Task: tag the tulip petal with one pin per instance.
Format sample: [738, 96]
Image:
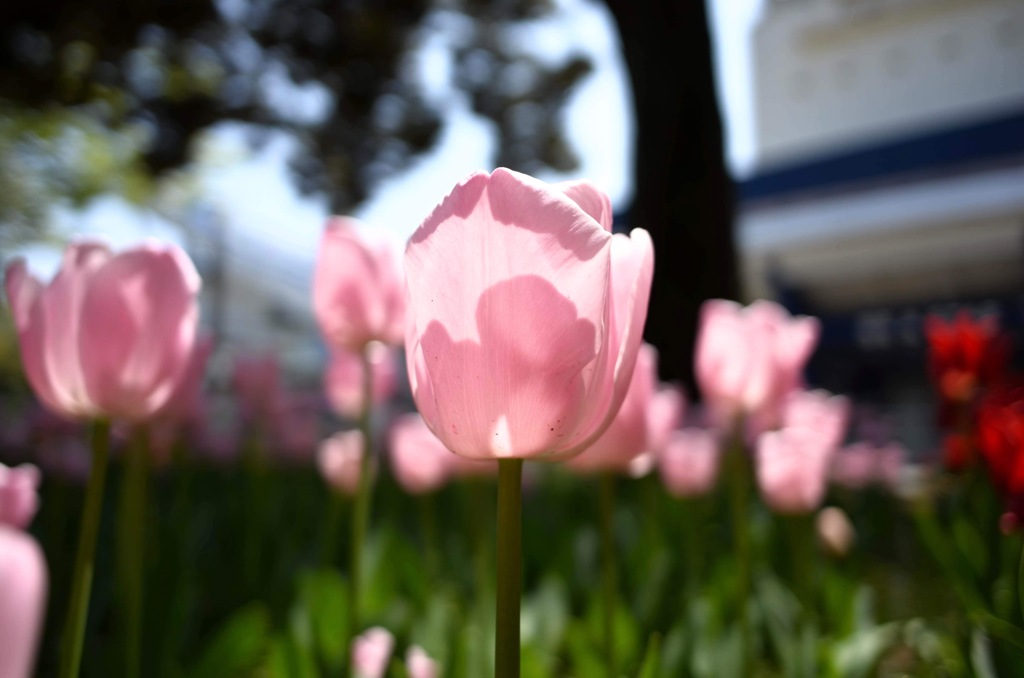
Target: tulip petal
[627, 436]
[507, 286]
[592, 200]
[519, 390]
[357, 289]
[23, 585]
[139, 321]
[24, 293]
[631, 276]
[419, 460]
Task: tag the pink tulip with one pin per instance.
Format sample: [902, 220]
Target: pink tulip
[689, 462]
[421, 463]
[525, 316]
[749, 359]
[419, 664]
[792, 466]
[854, 466]
[860, 464]
[256, 380]
[184, 413]
[185, 404]
[23, 574]
[627, 438]
[358, 294]
[826, 414]
[344, 383]
[339, 460]
[111, 335]
[664, 415]
[371, 652]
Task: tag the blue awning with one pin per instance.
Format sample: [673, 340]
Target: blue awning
[947, 150]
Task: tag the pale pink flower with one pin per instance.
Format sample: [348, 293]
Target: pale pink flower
[689, 461]
[344, 381]
[340, 461]
[419, 664]
[256, 380]
[826, 414]
[862, 463]
[792, 466]
[420, 461]
[371, 652]
[835, 531]
[627, 438]
[358, 293]
[525, 316]
[854, 466]
[749, 359]
[23, 573]
[110, 335]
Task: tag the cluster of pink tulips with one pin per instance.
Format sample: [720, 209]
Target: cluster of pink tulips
[521, 316]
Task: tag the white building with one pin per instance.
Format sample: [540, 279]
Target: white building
[890, 144]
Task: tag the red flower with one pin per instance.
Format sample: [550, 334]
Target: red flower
[959, 452]
[966, 355]
[1001, 441]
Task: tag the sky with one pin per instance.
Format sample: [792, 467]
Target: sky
[270, 225]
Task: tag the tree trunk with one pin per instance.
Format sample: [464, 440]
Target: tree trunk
[683, 193]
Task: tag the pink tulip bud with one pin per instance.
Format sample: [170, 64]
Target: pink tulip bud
[421, 463]
[824, 413]
[628, 436]
[339, 460]
[419, 664]
[854, 466]
[371, 652]
[358, 294]
[257, 383]
[111, 335]
[689, 462]
[664, 415]
[23, 573]
[525, 316]
[18, 499]
[185, 404]
[860, 464]
[749, 359]
[835, 531]
[344, 383]
[792, 466]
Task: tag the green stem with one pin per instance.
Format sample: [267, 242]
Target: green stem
[803, 562]
[608, 567]
[332, 527]
[256, 518]
[690, 521]
[131, 538]
[739, 503]
[176, 616]
[428, 526]
[81, 581]
[510, 568]
[932, 535]
[361, 511]
[1020, 582]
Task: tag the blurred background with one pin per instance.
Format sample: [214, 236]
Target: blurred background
[861, 161]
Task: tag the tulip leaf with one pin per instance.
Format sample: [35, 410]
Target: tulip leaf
[238, 646]
[649, 667]
[324, 602]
